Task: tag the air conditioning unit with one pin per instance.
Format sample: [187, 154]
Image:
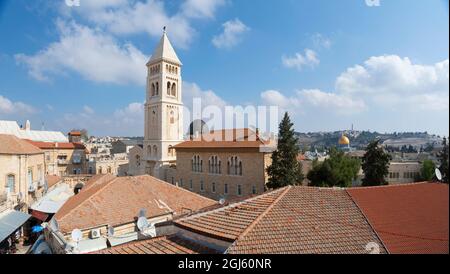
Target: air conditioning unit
[95, 233]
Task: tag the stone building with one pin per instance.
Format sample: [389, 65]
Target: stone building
[230, 166]
[63, 158]
[22, 173]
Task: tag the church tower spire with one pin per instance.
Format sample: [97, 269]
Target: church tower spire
[163, 108]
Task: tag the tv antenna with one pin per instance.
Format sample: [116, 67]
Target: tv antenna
[142, 224]
[110, 231]
[76, 235]
[438, 174]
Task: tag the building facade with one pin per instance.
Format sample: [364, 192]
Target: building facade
[63, 158]
[22, 173]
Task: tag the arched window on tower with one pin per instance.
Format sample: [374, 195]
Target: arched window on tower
[174, 90]
[168, 88]
[172, 117]
[155, 151]
[157, 88]
[149, 150]
[153, 89]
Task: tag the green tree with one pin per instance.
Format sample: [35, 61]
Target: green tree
[375, 164]
[443, 160]
[427, 170]
[338, 170]
[285, 169]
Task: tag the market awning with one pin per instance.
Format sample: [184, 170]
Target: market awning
[10, 221]
[53, 200]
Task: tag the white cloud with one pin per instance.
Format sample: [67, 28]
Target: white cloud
[88, 110]
[92, 53]
[321, 41]
[340, 104]
[201, 8]
[126, 121]
[9, 107]
[276, 98]
[208, 97]
[231, 35]
[299, 61]
[128, 17]
[396, 82]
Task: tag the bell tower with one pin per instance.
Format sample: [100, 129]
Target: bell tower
[163, 108]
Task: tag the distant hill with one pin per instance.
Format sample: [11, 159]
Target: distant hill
[360, 139]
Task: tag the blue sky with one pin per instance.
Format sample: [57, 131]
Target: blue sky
[329, 63]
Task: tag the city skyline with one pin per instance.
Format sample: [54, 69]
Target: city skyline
[80, 67]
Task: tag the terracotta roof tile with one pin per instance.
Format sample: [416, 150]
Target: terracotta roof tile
[115, 201]
[161, 245]
[308, 220]
[10, 144]
[227, 138]
[411, 218]
[227, 223]
[53, 145]
[52, 180]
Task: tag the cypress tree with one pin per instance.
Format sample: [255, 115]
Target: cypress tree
[375, 164]
[285, 169]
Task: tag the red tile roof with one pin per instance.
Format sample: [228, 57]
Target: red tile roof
[53, 145]
[227, 223]
[52, 180]
[161, 245]
[308, 220]
[116, 201]
[411, 218]
[227, 138]
[288, 220]
[10, 144]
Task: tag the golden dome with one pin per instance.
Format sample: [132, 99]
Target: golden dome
[344, 140]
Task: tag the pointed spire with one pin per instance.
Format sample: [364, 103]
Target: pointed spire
[164, 51]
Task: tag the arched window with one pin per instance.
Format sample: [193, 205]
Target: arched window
[109, 170]
[138, 160]
[167, 68]
[214, 166]
[168, 88]
[234, 166]
[11, 183]
[172, 117]
[174, 90]
[149, 150]
[155, 151]
[171, 151]
[157, 88]
[100, 170]
[197, 164]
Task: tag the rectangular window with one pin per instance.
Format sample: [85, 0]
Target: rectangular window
[213, 187]
[173, 182]
[225, 189]
[239, 190]
[191, 185]
[30, 176]
[254, 190]
[202, 186]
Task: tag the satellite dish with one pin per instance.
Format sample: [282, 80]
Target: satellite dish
[438, 174]
[77, 235]
[222, 201]
[110, 230]
[142, 212]
[142, 223]
[54, 224]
